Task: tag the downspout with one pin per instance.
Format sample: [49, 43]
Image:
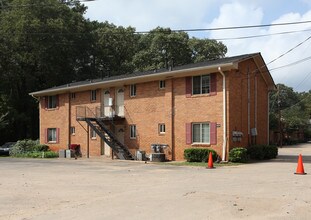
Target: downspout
[268, 127]
[224, 143]
[173, 119]
[69, 119]
[255, 106]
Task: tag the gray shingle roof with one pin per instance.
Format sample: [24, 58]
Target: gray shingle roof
[207, 63]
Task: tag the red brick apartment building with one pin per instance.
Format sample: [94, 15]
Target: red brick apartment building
[218, 104]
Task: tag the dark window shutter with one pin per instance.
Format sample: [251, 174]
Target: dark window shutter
[188, 133]
[46, 136]
[213, 133]
[57, 135]
[213, 84]
[188, 86]
[45, 102]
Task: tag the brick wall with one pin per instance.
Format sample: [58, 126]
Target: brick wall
[170, 106]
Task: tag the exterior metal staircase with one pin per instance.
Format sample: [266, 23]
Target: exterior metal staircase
[97, 123]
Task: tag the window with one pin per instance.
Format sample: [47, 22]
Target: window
[72, 130]
[161, 128]
[93, 134]
[93, 95]
[201, 84]
[73, 95]
[51, 135]
[162, 84]
[133, 90]
[201, 133]
[133, 131]
[52, 101]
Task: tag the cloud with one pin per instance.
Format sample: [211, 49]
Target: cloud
[237, 14]
[186, 14]
[147, 15]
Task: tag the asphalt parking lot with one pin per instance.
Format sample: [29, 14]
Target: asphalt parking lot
[105, 189]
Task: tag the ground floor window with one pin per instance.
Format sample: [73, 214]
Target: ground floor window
[52, 135]
[72, 130]
[93, 134]
[201, 133]
[161, 128]
[132, 131]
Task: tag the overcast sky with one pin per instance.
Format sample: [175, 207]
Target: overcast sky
[145, 15]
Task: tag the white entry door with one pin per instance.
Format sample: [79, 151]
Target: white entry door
[120, 102]
[106, 108]
[107, 149]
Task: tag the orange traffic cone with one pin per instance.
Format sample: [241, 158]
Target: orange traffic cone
[210, 161]
[300, 169]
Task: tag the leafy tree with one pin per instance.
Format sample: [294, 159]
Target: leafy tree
[42, 44]
[295, 109]
[205, 49]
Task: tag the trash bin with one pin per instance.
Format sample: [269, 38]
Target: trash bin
[141, 155]
[76, 150]
[62, 153]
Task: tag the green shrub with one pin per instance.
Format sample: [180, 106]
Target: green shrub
[40, 147]
[199, 154]
[261, 152]
[270, 151]
[23, 146]
[50, 154]
[256, 152]
[239, 155]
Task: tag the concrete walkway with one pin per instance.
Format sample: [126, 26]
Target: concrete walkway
[105, 189]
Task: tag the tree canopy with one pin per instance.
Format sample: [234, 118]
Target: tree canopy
[295, 110]
[45, 43]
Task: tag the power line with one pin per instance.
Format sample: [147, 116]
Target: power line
[291, 64]
[260, 35]
[290, 50]
[229, 28]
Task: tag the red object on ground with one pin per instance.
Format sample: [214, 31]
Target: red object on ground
[300, 170]
[210, 161]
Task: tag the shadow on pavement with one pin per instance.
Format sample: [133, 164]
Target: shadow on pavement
[291, 159]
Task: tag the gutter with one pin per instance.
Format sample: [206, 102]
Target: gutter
[224, 143]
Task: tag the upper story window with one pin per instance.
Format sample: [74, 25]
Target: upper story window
[93, 95]
[133, 90]
[201, 84]
[51, 101]
[73, 95]
[162, 84]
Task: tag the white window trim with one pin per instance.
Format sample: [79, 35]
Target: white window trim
[161, 125]
[48, 102]
[192, 133]
[93, 95]
[162, 84]
[135, 132]
[91, 134]
[201, 85]
[52, 141]
[133, 91]
[73, 130]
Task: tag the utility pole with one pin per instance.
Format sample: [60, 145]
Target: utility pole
[280, 117]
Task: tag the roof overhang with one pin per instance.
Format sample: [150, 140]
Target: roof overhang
[264, 71]
[136, 79]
